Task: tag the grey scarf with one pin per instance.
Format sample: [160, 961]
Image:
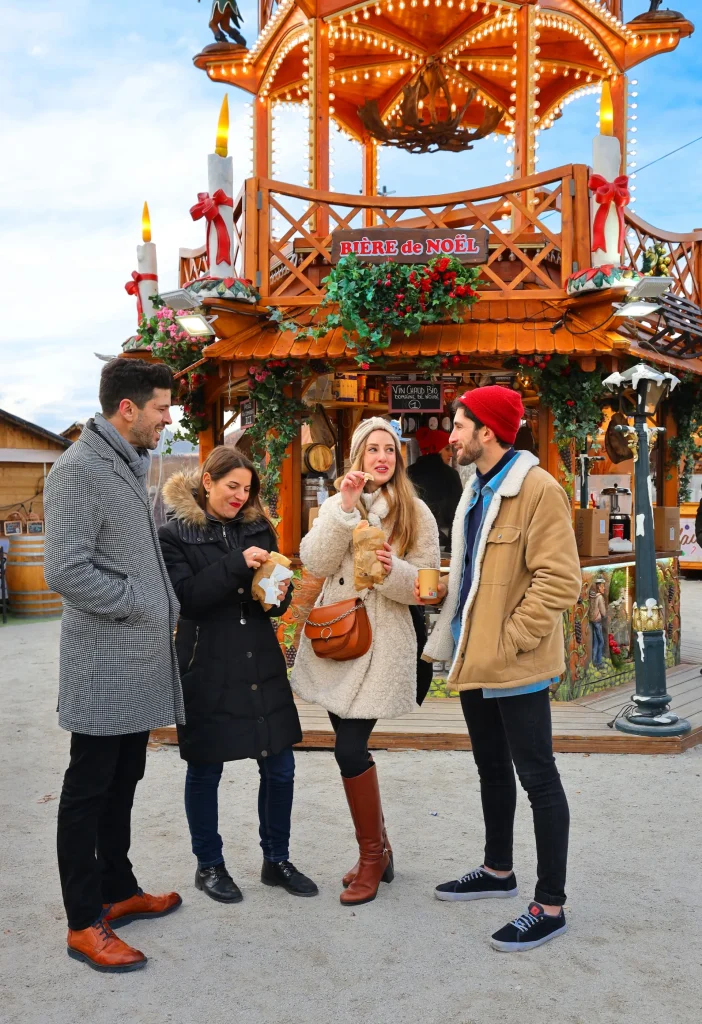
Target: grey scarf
[138, 459]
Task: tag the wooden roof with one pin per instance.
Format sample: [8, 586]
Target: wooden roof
[494, 329]
[34, 429]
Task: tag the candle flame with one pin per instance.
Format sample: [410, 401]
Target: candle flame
[606, 110]
[223, 129]
[146, 224]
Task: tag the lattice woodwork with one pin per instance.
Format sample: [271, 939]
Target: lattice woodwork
[541, 252]
[679, 333]
[684, 251]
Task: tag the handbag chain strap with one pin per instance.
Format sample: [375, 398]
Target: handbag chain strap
[331, 622]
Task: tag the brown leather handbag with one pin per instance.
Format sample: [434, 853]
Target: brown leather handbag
[340, 631]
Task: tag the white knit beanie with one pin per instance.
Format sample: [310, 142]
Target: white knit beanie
[366, 427]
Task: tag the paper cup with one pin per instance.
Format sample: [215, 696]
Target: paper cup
[429, 584]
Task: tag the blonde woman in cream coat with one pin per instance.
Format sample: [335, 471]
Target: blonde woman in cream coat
[383, 682]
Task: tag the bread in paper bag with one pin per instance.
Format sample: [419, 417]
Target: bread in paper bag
[367, 570]
[268, 577]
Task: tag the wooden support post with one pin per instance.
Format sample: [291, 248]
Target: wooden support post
[290, 498]
[582, 244]
[262, 137]
[370, 176]
[319, 117]
[620, 102]
[668, 494]
[525, 66]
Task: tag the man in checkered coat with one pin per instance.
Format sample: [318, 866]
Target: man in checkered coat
[118, 671]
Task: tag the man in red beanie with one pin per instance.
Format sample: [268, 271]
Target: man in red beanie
[514, 571]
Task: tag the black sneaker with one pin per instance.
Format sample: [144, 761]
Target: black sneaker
[286, 874]
[529, 931]
[478, 885]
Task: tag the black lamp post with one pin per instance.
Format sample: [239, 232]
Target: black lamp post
[652, 716]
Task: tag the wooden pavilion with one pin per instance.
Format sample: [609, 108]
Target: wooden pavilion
[504, 67]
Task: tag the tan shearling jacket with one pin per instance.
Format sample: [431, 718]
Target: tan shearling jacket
[526, 574]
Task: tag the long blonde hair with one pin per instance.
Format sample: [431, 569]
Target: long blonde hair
[400, 496]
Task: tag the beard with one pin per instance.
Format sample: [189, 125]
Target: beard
[469, 453]
[143, 436]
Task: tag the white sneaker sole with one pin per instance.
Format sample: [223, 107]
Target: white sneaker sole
[519, 947]
[498, 894]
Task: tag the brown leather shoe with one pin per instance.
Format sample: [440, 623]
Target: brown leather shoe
[99, 948]
[140, 906]
[350, 875]
[374, 863]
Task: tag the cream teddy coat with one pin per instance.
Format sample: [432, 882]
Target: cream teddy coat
[382, 683]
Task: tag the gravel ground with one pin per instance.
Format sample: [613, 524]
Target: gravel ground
[633, 952]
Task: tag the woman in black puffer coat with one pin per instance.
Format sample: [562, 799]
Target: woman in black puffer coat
[238, 701]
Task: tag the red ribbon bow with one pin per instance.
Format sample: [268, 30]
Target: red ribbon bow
[208, 207]
[606, 193]
[132, 288]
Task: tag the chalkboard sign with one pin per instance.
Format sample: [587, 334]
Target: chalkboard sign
[415, 396]
[247, 409]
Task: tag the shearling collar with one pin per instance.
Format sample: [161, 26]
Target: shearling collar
[179, 496]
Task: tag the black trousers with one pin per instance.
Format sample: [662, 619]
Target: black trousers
[94, 823]
[517, 730]
[351, 744]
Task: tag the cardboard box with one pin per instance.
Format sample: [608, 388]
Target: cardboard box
[666, 528]
[592, 532]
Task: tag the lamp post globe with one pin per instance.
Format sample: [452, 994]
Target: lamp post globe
[651, 715]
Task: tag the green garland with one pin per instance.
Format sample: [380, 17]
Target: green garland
[686, 406]
[170, 344]
[375, 299]
[572, 394]
[277, 421]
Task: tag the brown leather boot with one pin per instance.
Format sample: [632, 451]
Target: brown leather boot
[141, 905]
[99, 948]
[374, 864]
[350, 875]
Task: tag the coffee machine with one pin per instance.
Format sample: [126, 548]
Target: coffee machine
[619, 520]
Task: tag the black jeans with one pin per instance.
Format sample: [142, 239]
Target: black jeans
[94, 823]
[507, 730]
[275, 800]
[351, 744]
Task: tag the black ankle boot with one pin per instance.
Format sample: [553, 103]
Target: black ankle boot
[217, 883]
[286, 874]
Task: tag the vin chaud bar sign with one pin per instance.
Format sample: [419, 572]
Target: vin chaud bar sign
[405, 245]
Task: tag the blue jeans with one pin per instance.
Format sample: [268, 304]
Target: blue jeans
[597, 644]
[275, 797]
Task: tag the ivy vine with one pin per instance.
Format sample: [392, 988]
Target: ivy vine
[375, 299]
[686, 407]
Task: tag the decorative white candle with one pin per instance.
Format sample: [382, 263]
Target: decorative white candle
[144, 282]
[611, 194]
[220, 179]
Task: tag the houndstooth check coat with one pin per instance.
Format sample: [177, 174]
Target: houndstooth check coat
[118, 669]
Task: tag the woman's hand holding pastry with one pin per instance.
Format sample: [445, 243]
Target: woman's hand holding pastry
[384, 556]
[255, 557]
[351, 487]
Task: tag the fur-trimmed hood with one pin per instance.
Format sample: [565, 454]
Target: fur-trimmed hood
[179, 498]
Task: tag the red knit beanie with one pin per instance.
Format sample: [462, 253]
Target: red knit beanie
[499, 408]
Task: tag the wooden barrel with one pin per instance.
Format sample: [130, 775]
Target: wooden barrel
[316, 458]
[26, 587]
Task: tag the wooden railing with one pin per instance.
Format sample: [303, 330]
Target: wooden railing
[283, 235]
[684, 251]
[545, 237]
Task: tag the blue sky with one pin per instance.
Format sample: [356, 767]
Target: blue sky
[102, 108]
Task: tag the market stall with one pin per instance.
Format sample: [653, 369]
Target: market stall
[331, 307]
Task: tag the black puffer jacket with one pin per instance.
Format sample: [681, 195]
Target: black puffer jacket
[238, 701]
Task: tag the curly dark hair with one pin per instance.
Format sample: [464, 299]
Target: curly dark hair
[131, 378]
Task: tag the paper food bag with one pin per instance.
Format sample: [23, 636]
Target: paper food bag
[367, 570]
[267, 579]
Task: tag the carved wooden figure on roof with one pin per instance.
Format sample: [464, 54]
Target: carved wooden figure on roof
[225, 20]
